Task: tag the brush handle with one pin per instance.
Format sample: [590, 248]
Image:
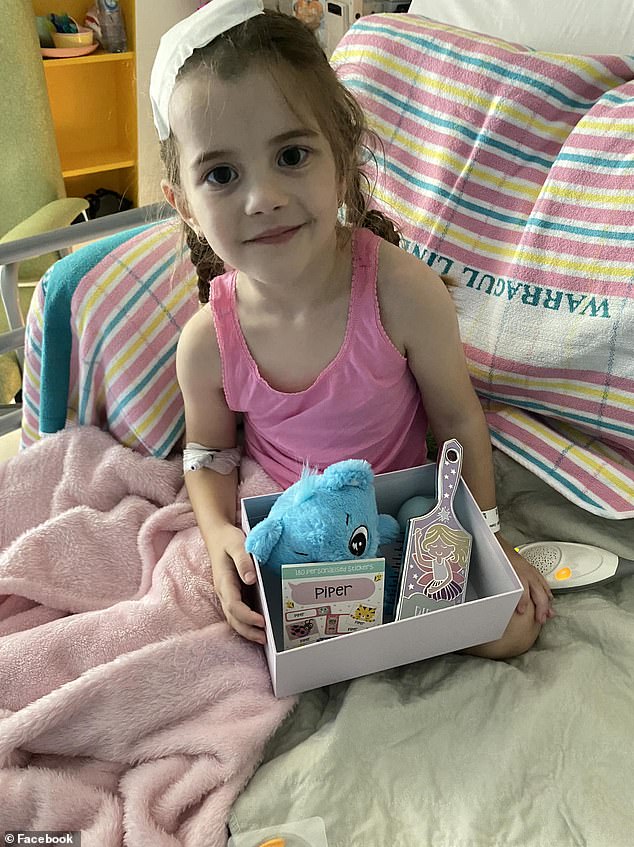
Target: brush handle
[448, 475]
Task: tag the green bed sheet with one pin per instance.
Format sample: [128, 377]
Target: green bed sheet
[458, 751]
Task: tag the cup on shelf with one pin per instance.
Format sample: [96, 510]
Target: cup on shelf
[83, 38]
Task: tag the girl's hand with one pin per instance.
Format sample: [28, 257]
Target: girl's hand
[231, 565]
[535, 586]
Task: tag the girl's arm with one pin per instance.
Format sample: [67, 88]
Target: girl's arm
[420, 317]
[209, 421]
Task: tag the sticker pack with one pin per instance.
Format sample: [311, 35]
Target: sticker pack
[321, 600]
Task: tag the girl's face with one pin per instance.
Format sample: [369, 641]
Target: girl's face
[257, 181]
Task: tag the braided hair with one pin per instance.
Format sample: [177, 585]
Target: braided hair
[208, 265]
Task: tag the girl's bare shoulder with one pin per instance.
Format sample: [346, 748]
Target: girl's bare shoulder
[410, 293]
[400, 271]
[198, 355]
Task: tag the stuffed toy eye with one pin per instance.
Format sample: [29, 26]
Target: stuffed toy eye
[358, 541]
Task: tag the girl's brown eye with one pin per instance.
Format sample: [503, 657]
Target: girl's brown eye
[222, 175]
[292, 157]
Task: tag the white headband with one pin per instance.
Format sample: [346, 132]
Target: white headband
[179, 42]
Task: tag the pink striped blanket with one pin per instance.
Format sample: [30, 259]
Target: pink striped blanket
[510, 173]
[101, 340]
[129, 710]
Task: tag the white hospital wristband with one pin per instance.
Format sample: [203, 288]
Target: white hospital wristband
[492, 518]
[197, 456]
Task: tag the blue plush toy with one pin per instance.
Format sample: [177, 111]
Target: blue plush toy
[327, 517]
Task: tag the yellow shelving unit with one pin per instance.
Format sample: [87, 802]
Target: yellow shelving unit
[93, 101]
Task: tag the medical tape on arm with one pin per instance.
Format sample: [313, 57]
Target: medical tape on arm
[197, 456]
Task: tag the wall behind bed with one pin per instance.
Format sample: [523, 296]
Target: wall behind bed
[565, 26]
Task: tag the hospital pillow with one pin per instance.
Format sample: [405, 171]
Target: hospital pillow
[510, 173]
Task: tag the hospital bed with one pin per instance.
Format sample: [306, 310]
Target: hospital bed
[507, 170]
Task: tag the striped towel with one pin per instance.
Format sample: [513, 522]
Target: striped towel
[511, 173]
[101, 339]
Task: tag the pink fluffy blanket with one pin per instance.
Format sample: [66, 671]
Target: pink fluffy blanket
[129, 710]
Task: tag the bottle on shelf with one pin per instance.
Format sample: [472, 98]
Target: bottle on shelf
[113, 35]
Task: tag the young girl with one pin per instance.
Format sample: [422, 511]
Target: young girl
[328, 339]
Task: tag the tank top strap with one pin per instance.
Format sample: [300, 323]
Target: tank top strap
[364, 299]
[221, 293]
[236, 366]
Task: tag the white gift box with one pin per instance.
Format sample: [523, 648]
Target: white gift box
[493, 592]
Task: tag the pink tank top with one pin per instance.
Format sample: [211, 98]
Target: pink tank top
[364, 405]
